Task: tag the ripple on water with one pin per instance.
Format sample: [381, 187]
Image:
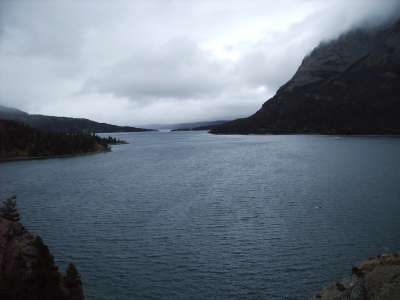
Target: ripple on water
[197, 216]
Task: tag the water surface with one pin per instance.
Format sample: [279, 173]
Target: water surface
[189, 215]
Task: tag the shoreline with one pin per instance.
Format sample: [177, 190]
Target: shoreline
[23, 158]
[313, 133]
[40, 157]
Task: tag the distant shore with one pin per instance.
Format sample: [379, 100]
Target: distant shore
[308, 133]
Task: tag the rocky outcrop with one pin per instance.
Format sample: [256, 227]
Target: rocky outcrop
[348, 86]
[28, 271]
[376, 278]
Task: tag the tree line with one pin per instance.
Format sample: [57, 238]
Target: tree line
[18, 139]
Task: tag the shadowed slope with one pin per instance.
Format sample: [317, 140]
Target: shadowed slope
[347, 86]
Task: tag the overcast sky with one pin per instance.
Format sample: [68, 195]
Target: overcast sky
[140, 62]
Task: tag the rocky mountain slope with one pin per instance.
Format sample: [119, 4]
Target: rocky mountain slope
[62, 124]
[376, 278]
[27, 269]
[347, 86]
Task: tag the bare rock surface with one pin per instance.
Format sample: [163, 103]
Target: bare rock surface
[378, 278]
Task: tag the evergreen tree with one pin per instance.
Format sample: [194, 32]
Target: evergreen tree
[8, 209]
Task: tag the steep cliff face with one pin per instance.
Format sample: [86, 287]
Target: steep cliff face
[27, 269]
[350, 85]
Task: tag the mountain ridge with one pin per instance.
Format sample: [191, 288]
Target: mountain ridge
[188, 125]
[347, 86]
[198, 126]
[63, 124]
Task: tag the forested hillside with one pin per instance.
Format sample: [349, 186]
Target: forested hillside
[18, 140]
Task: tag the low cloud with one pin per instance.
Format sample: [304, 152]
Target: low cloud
[137, 62]
[178, 69]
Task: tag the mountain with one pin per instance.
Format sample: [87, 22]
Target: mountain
[62, 124]
[198, 126]
[11, 112]
[347, 86]
[186, 126]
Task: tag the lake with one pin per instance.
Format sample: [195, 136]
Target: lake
[189, 215]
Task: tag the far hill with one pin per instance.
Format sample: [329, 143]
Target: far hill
[347, 86]
[204, 125]
[62, 124]
[198, 126]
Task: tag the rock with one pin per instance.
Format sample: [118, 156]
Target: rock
[376, 278]
[358, 291]
[357, 272]
[340, 286]
[27, 269]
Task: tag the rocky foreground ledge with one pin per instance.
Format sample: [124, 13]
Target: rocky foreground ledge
[378, 278]
[28, 271]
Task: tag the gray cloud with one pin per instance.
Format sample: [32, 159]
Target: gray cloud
[133, 61]
[177, 69]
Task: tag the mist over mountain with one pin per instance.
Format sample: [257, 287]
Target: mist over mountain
[62, 124]
[136, 60]
[350, 85]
